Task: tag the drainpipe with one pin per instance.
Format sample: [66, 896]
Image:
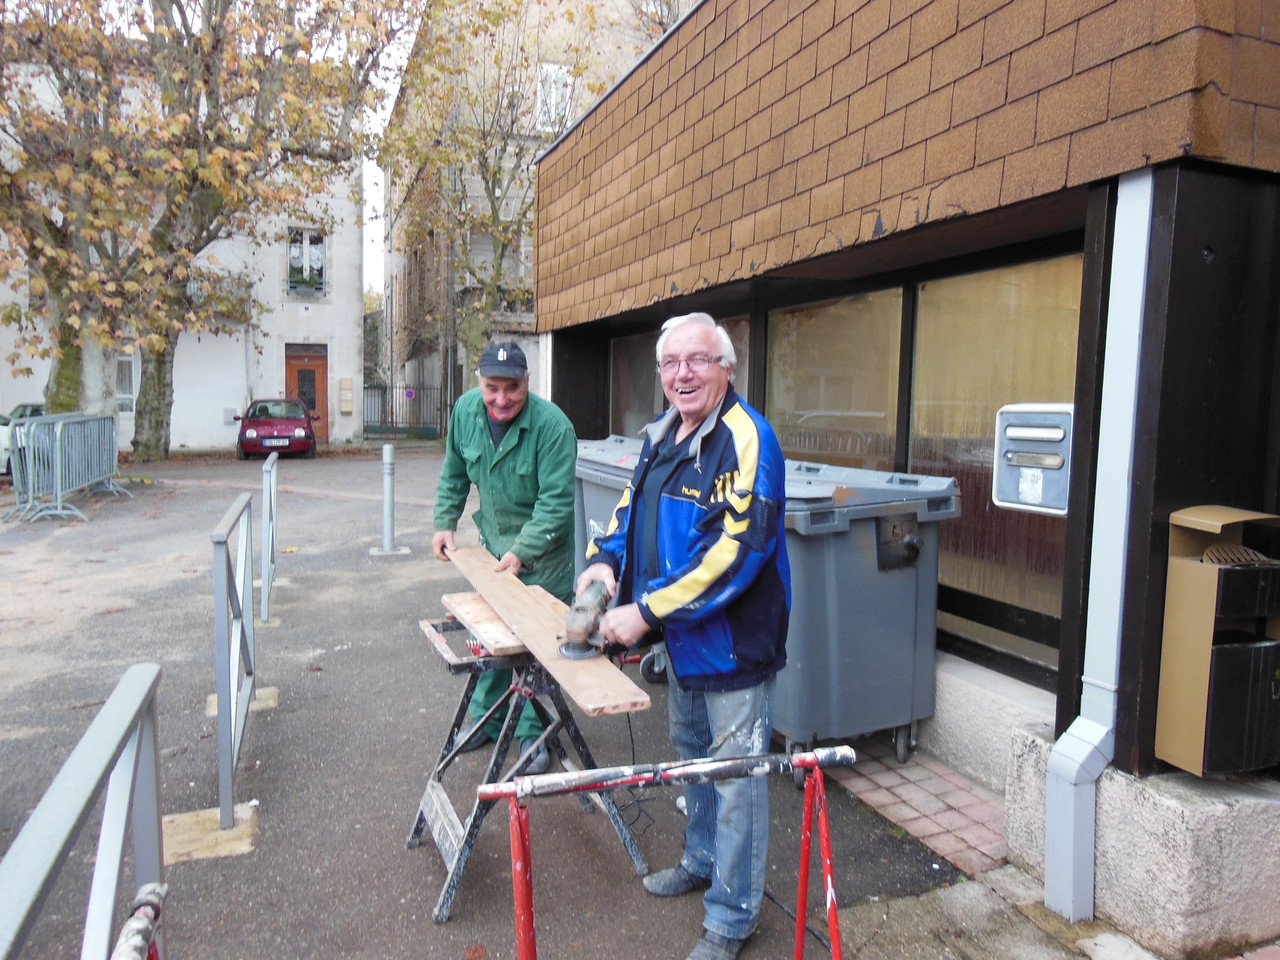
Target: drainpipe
[1088, 745]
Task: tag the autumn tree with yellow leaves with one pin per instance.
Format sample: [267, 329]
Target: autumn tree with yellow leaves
[133, 137]
[490, 84]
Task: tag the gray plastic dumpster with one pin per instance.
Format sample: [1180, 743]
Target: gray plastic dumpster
[863, 547]
[602, 471]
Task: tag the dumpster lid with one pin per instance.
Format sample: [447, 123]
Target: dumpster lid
[614, 451]
[823, 484]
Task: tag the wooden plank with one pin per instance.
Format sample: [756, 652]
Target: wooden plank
[473, 612]
[596, 685]
[480, 620]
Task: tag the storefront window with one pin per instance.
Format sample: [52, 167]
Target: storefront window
[833, 379]
[984, 340]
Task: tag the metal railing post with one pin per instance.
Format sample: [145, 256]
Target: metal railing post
[233, 644]
[270, 494]
[118, 754]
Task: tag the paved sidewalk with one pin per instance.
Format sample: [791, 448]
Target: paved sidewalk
[335, 771]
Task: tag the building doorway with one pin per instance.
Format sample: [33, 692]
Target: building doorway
[306, 376]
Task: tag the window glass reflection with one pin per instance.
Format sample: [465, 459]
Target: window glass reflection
[984, 340]
[833, 379]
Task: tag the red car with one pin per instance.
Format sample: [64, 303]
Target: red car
[276, 426]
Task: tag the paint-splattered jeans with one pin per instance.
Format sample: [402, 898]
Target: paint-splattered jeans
[728, 819]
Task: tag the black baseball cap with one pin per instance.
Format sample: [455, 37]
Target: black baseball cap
[503, 360]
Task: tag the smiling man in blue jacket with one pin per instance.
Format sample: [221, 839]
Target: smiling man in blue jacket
[696, 554]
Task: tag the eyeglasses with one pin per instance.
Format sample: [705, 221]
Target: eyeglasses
[697, 364]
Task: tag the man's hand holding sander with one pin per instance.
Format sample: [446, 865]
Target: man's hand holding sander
[592, 624]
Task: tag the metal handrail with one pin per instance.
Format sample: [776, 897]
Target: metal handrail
[270, 499]
[120, 752]
[57, 455]
[234, 667]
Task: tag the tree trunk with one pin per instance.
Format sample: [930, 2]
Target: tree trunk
[153, 414]
[82, 378]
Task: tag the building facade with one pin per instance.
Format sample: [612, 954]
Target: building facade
[307, 344]
[912, 213]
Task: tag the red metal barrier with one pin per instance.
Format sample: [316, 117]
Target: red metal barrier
[675, 772]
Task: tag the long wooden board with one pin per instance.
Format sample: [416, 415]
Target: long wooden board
[596, 685]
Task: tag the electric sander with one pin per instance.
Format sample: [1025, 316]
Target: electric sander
[582, 625]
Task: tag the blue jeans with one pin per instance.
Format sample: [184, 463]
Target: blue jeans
[727, 835]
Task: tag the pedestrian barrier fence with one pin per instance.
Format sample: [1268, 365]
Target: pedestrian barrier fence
[270, 499]
[119, 756]
[702, 770]
[234, 666]
[57, 455]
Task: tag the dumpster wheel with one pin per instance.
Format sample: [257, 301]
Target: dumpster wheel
[902, 743]
[653, 666]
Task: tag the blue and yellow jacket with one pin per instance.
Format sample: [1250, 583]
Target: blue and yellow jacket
[723, 596]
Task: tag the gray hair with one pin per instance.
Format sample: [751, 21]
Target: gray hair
[728, 356]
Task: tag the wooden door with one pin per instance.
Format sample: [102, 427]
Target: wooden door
[306, 377]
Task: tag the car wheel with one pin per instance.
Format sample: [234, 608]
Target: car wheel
[310, 454]
[240, 454]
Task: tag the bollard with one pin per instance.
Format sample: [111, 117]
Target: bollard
[388, 497]
[388, 504]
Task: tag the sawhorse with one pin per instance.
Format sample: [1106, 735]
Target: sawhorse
[530, 682]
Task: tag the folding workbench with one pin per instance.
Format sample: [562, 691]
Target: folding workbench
[513, 626]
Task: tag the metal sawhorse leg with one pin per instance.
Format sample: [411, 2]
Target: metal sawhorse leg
[456, 839]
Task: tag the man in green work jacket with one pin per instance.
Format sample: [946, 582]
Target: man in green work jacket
[519, 451]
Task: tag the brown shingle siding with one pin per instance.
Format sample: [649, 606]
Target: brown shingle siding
[909, 82]
[899, 10]
[957, 57]
[763, 132]
[1073, 104]
[973, 11]
[905, 170]
[931, 25]
[950, 153]
[1035, 172]
[870, 20]
[1042, 63]
[980, 92]
[889, 50]
[884, 137]
[831, 125]
[928, 116]
[1113, 31]
[1255, 72]
[867, 105]
[817, 21]
[849, 75]
[1011, 28]
[1266, 138]
[815, 95]
[835, 45]
[845, 156]
[1006, 130]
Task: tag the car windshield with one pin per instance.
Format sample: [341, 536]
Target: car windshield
[277, 410]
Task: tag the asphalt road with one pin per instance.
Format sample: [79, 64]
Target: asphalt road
[337, 768]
